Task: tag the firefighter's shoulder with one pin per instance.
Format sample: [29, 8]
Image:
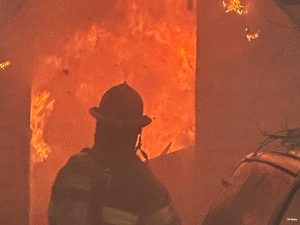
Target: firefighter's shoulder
[80, 172]
[160, 208]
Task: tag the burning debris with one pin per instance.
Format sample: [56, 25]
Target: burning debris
[251, 36]
[41, 108]
[234, 6]
[5, 64]
[237, 7]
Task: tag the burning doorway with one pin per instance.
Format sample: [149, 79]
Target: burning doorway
[152, 46]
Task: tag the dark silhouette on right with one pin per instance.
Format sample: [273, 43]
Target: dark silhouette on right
[264, 189]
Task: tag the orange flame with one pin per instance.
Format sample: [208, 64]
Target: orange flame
[251, 36]
[41, 108]
[5, 64]
[233, 6]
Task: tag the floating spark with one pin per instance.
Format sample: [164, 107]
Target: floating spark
[251, 36]
[5, 64]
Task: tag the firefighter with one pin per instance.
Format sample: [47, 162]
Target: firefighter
[109, 184]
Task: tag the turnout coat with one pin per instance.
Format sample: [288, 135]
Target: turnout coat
[90, 191]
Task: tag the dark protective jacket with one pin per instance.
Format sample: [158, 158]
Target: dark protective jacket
[93, 192]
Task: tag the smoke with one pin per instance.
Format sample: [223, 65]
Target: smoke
[40, 26]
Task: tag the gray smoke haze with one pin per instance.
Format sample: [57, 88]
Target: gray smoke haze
[33, 26]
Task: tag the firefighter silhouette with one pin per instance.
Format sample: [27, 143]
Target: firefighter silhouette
[109, 184]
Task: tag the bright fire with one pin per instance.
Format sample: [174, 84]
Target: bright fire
[251, 36]
[5, 64]
[233, 6]
[41, 108]
[152, 47]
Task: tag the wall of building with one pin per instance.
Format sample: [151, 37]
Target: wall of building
[15, 91]
[14, 145]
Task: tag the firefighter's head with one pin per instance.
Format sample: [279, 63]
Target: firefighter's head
[120, 117]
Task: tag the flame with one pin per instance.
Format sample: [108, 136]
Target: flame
[233, 6]
[41, 108]
[5, 64]
[251, 36]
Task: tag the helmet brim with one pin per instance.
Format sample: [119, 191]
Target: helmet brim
[143, 121]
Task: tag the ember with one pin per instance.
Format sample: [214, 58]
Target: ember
[41, 108]
[5, 64]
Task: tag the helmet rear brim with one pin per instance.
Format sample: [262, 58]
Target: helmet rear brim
[143, 121]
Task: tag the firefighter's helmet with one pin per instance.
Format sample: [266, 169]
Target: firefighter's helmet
[121, 105]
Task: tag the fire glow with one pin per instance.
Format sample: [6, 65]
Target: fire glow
[41, 108]
[5, 64]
